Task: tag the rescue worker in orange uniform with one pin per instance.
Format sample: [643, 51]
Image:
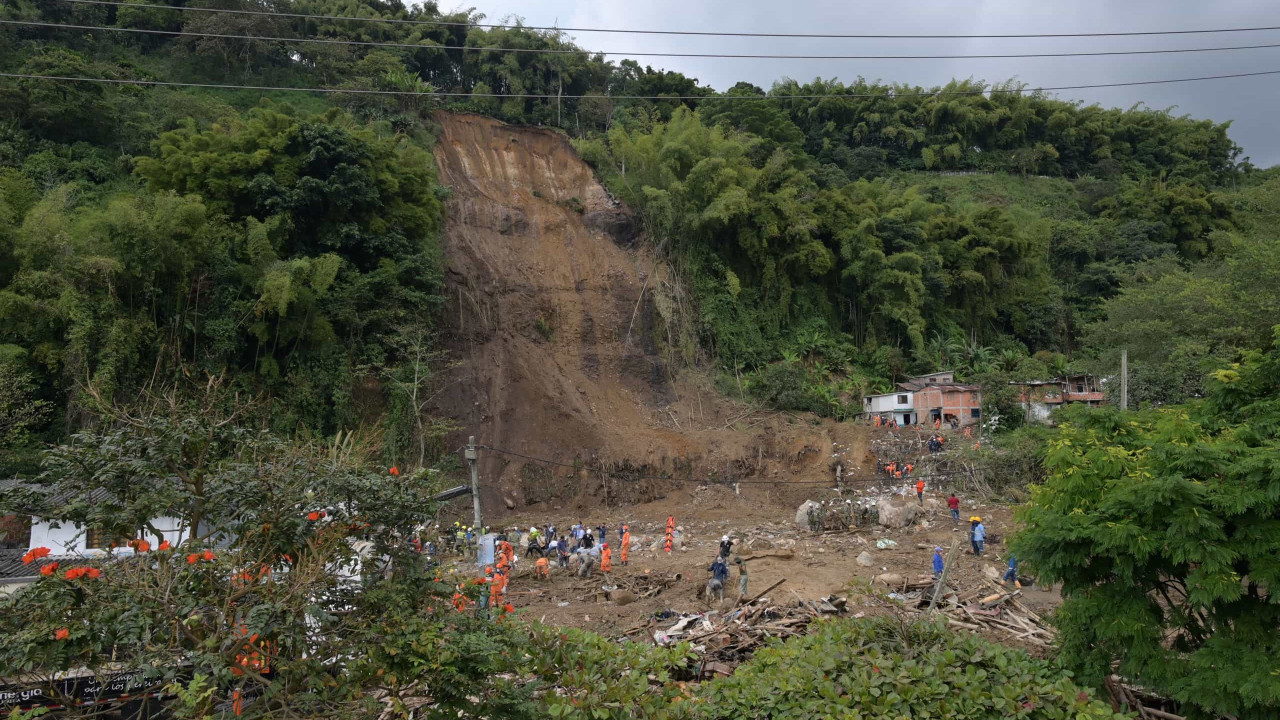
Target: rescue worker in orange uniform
[497, 585]
[541, 569]
[626, 543]
[606, 558]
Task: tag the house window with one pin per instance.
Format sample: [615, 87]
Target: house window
[15, 532]
[1079, 388]
[975, 412]
[96, 539]
[902, 399]
[933, 379]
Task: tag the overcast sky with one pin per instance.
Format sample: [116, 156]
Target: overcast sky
[1252, 103]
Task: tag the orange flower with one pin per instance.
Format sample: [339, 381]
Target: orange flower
[93, 573]
[395, 470]
[207, 555]
[34, 554]
[143, 546]
[76, 573]
[192, 559]
[49, 569]
[313, 516]
[509, 607]
[61, 634]
[165, 545]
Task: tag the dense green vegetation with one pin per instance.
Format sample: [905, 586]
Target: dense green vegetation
[280, 252]
[1164, 528]
[884, 668]
[284, 237]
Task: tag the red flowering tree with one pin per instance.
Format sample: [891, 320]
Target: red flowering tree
[297, 591]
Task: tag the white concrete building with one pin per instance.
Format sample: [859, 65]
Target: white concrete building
[71, 539]
[898, 406]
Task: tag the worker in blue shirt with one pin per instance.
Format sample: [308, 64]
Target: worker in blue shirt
[938, 565]
[977, 534]
[1011, 575]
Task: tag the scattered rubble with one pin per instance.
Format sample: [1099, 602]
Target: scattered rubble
[999, 611]
[722, 641]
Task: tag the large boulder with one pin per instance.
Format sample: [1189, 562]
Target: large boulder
[893, 515]
[893, 580]
[802, 513]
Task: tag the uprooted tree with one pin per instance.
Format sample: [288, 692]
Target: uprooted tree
[1164, 528]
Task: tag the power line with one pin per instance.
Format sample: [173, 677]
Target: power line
[578, 51]
[704, 33]
[708, 481]
[537, 96]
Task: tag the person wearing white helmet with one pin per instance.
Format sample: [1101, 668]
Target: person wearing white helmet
[726, 547]
[534, 547]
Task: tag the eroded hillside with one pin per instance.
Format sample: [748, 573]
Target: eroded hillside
[555, 334]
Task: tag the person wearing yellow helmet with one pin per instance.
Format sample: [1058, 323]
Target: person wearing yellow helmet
[977, 534]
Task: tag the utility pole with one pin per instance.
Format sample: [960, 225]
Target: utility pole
[1124, 378]
[471, 456]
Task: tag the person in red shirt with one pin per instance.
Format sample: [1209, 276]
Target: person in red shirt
[953, 502]
[920, 491]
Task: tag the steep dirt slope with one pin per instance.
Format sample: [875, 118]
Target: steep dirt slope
[554, 330]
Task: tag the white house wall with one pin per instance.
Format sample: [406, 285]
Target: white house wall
[888, 405]
[68, 539]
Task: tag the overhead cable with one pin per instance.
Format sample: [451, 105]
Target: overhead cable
[622, 475]
[543, 96]
[704, 33]
[580, 51]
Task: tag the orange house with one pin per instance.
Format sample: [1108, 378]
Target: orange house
[957, 405]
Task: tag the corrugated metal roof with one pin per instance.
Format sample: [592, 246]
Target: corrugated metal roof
[95, 496]
[12, 568]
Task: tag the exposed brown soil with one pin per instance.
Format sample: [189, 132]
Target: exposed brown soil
[556, 336]
[821, 564]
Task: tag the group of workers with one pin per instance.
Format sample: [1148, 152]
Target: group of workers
[896, 469]
[977, 539]
[720, 573]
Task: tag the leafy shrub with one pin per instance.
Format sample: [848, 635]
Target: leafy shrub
[875, 668]
[782, 385]
[599, 678]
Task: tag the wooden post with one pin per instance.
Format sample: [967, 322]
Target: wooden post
[766, 591]
[942, 579]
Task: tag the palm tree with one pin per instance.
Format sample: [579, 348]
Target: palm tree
[1060, 365]
[943, 349]
[978, 357]
[1009, 359]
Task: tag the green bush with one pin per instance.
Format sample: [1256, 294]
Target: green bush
[877, 668]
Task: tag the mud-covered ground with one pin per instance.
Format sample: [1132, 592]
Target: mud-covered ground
[821, 564]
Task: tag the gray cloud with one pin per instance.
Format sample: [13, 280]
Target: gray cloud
[1249, 102]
